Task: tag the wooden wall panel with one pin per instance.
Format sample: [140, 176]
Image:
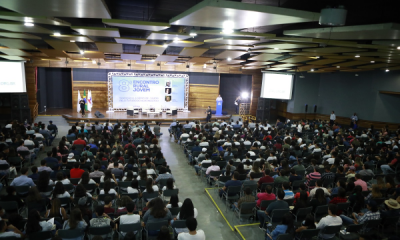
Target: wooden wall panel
[99, 93]
[202, 96]
[30, 78]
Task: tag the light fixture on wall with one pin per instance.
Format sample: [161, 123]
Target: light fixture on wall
[94, 61]
[317, 57]
[228, 59]
[398, 48]
[312, 69]
[205, 65]
[357, 56]
[387, 70]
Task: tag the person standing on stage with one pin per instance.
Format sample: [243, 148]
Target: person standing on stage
[237, 103]
[354, 119]
[82, 104]
[332, 118]
[208, 114]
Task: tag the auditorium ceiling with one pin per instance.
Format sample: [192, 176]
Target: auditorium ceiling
[276, 35]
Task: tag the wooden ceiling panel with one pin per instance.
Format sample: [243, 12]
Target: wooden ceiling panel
[20, 27]
[54, 53]
[235, 47]
[152, 49]
[168, 36]
[233, 41]
[286, 45]
[193, 52]
[265, 57]
[287, 65]
[200, 60]
[351, 63]
[14, 52]
[166, 58]
[324, 61]
[16, 43]
[75, 38]
[136, 41]
[93, 54]
[109, 47]
[127, 56]
[144, 25]
[18, 35]
[233, 61]
[258, 63]
[63, 45]
[377, 65]
[97, 31]
[333, 50]
[185, 44]
[230, 54]
[296, 59]
[270, 50]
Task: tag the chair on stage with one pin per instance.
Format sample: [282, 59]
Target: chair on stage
[136, 111]
[172, 111]
[158, 109]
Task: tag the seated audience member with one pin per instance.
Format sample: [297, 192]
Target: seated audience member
[156, 212]
[359, 182]
[308, 223]
[76, 222]
[191, 224]
[265, 195]
[10, 231]
[35, 175]
[279, 204]
[129, 217]
[286, 226]
[318, 185]
[187, 211]
[76, 172]
[314, 176]
[331, 220]
[318, 199]
[294, 177]
[232, 182]
[23, 180]
[360, 218]
[301, 202]
[266, 179]
[248, 197]
[101, 219]
[286, 188]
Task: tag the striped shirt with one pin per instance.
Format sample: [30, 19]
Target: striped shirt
[368, 216]
[313, 176]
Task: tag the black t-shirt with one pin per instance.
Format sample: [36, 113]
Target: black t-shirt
[208, 111]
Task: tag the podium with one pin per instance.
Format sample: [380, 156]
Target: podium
[218, 110]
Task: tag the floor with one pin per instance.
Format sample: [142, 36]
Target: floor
[190, 186]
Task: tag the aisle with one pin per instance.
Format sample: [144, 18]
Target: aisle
[190, 186]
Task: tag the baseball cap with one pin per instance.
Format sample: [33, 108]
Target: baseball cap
[204, 149]
[71, 155]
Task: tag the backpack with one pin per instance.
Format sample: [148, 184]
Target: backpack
[82, 201]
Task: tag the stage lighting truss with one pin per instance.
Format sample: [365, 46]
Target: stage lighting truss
[155, 75]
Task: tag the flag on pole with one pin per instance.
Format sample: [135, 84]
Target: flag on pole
[79, 99]
[90, 104]
[85, 99]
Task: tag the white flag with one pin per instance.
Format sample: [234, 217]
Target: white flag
[89, 101]
[78, 108]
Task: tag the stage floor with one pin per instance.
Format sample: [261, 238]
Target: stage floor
[73, 116]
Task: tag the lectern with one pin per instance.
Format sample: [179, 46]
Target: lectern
[219, 107]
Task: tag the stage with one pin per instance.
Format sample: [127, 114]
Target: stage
[72, 116]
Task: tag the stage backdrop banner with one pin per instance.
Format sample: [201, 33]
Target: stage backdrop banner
[148, 90]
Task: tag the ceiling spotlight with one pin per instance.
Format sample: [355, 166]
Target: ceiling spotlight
[398, 48]
[227, 27]
[82, 52]
[57, 34]
[372, 61]
[165, 45]
[276, 48]
[337, 66]
[312, 69]
[387, 70]
[193, 34]
[357, 56]
[72, 40]
[176, 39]
[94, 61]
[29, 24]
[165, 38]
[316, 56]
[205, 65]
[229, 59]
[356, 75]
[152, 60]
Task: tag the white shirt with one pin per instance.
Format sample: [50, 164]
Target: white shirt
[271, 158]
[186, 236]
[203, 144]
[330, 160]
[299, 128]
[112, 191]
[65, 181]
[333, 117]
[329, 221]
[132, 190]
[247, 142]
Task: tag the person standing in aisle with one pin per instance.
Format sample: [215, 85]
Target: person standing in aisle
[82, 105]
[208, 112]
[237, 103]
[332, 118]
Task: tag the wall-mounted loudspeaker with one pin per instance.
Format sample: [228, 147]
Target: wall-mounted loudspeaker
[306, 107]
[315, 108]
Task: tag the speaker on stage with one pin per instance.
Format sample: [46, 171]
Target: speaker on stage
[315, 108]
[98, 114]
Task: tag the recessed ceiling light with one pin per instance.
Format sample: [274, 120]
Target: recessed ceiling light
[372, 61]
[193, 34]
[165, 45]
[228, 59]
[316, 56]
[276, 48]
[82, 52]
[165, 38]
[94, 61]
[72, 40]
[57, 34]
[29, 24]
[387, 70]
[312, 69]
[153, 60]
[398, 48]
[205, 65]
[357, 56]
[176, 39]
[337, 66]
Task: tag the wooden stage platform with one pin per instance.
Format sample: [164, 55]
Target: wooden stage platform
[72, 116]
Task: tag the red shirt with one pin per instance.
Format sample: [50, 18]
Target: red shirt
[266, 179]
[264, 196]
[80, 142]
[76, 173]
[127, 145]
[297, 195]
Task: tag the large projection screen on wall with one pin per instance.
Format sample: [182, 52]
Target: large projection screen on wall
[147, 90]
[12, 77]
[277, 86]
